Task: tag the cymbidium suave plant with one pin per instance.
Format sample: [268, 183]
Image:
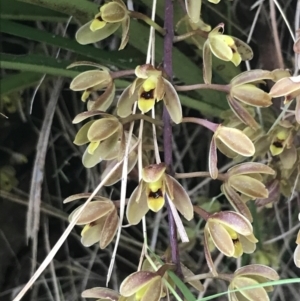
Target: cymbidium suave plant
[116, 140]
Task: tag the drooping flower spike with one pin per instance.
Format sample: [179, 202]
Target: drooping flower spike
[111, 16]
[151, 191]
[148, 88]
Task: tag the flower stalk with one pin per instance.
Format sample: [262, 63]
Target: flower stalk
[167, 132]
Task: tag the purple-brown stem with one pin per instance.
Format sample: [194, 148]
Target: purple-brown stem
[216, 87]
[201, 212]
[208, 124]
[121, 73]
[167, 132]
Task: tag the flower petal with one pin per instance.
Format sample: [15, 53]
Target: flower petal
[172, 102]
[81, 137]
[287, 87]
[251, 95]
[153, 172]
[101, 292]
[233, 220]
[242, 112]
[110, 147]
[258, 75]
[109, 228]
[93, 211]
[207, 63]
[248, 186]
[236, 140]
[243, 49]
[181, 199]
[236, 201]
[257, 270]
[224, 149]
[254, 294]
[250, 168]
[84, 115]
[125, 33]
[126, 101]
[247, 245]
[91, 233]
[137, 208]
[85, 36]
[221, 238]
[193, 8]
[89, 79]
[104, 101]
[102, 129]
[113, 12]
[219, 46]
[136, 281]
[154, 291]
[213, 159]
[297, 256]
[91, 160]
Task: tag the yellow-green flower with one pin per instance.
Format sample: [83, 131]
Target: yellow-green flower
[251, 275]
[110, 17]
[245, 180]
[151, 192]
[142, 286]
[224, 47]
[100, 218]
[243, 88]
[105, 137]
[282, 137]
[231, 233]
[149, 87]
[229, 141]
[91, 81]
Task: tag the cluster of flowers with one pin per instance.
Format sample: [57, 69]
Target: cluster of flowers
[231, 232]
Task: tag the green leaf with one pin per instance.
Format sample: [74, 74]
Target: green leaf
[80, 9]
[182, 287]
[126, 59]
[41, 65]
[20, 81]
[37, 63]
[15, 10]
